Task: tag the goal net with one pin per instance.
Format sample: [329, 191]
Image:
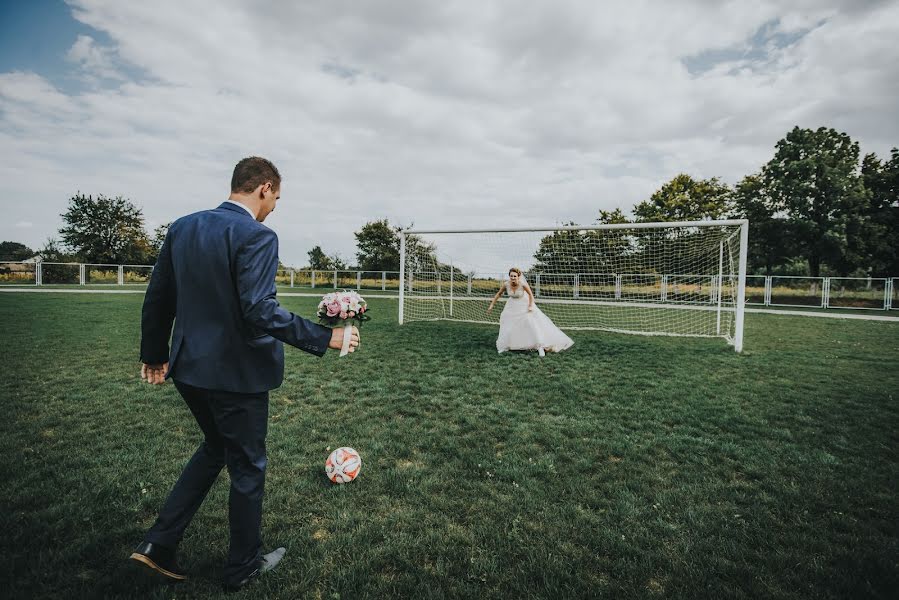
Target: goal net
[682, 279]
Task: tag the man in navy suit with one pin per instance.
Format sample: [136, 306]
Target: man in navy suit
[215, 278]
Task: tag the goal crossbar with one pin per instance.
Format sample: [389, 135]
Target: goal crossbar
[658, 225]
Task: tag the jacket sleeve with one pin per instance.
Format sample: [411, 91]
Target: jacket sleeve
[158, 312]
[256, 265]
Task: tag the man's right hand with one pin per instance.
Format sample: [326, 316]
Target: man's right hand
[154, 374]
[336, 342]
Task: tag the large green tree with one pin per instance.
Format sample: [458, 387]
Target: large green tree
[614, 217]
[881, 179]
[686, 199]
[105, 230]
[770, 239]
[14, 251]
[378, 247]
[683, 198]
[564, 251]
[580, 251]
[422, 256]
[318, 260]
[814, 178]
[337, 262]
[158, 238]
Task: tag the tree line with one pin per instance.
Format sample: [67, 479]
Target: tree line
[817, 207]
[99, 230]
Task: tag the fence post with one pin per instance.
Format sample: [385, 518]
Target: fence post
[38, 273]
[664, 288]
[767, 293]
[825, 292]
[81, 274]
[617, 287]
[887, 293]
[121, 274]
[292, 273]
[537, 285]
[383, 280]
[452, 275]
[335, 279]
[358, 280]
[577, 285]
[469, 285]
[892, 282]
[312, 279]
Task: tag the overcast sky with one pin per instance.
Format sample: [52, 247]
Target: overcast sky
[441, 114]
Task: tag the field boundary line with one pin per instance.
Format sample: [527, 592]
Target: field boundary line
[806, 313]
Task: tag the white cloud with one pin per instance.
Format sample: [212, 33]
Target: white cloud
[441, 114]
[24, 225]
[95, 61]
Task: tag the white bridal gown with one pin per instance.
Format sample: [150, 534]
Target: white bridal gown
[523, 330]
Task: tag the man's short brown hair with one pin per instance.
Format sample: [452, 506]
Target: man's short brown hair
[252, 172]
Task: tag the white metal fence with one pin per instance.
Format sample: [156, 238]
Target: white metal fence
[339, 279]
[857, 293]
[56, 273]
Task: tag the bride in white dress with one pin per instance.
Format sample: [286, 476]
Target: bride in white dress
[522, 325]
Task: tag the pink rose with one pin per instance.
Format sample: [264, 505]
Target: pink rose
[351, 314]
[333, 309]
[343, 314]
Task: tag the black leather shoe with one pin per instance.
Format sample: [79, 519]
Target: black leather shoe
[160, 559]
[266, 563]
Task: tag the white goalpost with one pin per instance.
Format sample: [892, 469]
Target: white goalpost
[677, 278]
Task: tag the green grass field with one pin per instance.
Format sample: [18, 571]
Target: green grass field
[627, 467]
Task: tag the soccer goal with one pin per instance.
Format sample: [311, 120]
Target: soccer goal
[677, 278]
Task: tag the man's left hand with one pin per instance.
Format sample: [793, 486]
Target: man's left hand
[154, 374]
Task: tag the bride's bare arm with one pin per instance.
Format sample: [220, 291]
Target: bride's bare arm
[502, 288]
[530, 294]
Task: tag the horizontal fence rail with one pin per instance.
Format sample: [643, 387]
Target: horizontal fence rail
[855, 293]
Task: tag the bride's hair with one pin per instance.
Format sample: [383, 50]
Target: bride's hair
[514, 270]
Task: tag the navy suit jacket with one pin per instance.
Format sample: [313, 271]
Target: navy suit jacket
[215, 278]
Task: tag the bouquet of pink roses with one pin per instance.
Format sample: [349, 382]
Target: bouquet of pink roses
[342, 308]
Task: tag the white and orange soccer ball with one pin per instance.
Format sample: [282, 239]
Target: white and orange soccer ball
[343, 465]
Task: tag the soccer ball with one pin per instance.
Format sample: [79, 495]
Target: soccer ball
[343, 465]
